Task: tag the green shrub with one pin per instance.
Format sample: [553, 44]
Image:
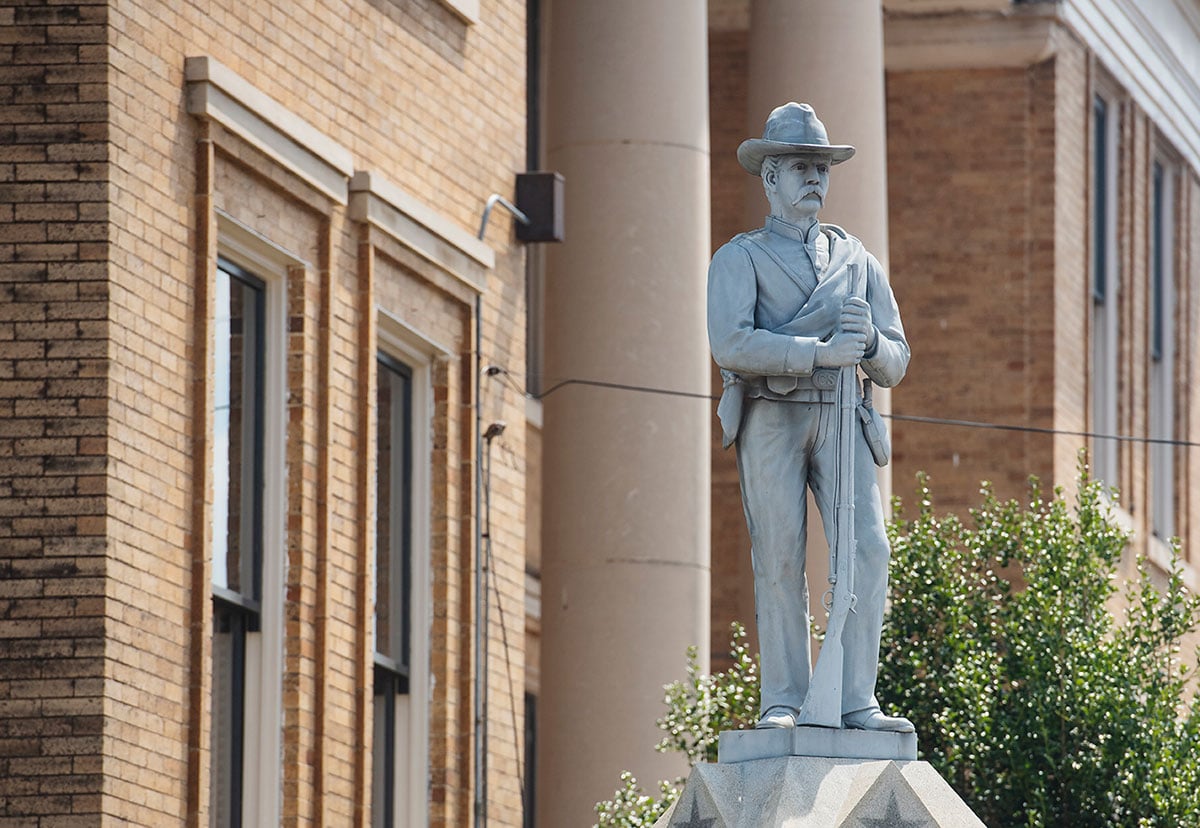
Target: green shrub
[631, 807]
[1038, 704]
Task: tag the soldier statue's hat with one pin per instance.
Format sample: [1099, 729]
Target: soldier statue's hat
[791, 128]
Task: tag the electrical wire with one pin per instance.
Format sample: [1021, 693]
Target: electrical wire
[1122, 438]
[645, 389]
[493, 580]
[913, 418]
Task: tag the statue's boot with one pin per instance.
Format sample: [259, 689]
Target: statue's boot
[778, 716]
[873, 718]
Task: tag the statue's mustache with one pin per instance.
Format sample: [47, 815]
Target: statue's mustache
[802, 195]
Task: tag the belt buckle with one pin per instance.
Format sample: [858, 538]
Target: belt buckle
[825, 379]
[782, 385]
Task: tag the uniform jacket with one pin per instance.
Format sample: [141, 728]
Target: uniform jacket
[773, 294]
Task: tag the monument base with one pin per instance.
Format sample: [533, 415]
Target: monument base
[804, 791]
[746, 745]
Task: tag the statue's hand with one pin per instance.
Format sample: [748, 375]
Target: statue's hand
[843, 348]
[856, 318]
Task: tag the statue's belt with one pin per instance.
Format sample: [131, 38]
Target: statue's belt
[818, 387]
[821, 379]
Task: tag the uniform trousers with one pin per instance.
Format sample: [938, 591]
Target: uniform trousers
[783, 448]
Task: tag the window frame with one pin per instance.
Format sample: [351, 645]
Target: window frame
[261, 776]
[1161, 343]
[236, 611]
[1105, 286]
[392, 669]
[410, 710]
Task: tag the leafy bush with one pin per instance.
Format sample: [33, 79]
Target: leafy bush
[703, 706]
[631, 807]
[1029, 696]
[1036, 702]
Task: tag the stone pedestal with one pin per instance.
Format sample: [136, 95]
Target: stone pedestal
[748, 745]
[801, 791]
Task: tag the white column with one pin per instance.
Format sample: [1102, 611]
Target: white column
[830, 55]
[625, 573]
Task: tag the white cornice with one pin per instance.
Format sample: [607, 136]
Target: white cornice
[1152, 48]
[974, 41]
[944, 6]
[1190, 11]
[406, 219]
[216, 92]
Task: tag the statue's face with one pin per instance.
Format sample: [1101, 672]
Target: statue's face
[799, 185]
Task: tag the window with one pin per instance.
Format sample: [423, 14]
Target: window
[247, 523]
[239, 351]
[402, 578]
[1105, 281]
[530, 818]
[1162, 351]
[393, 576]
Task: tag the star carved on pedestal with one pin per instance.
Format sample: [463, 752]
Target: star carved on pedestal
[892, 818]
[694, 821]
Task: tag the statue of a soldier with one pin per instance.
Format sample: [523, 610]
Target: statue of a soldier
[793, 308]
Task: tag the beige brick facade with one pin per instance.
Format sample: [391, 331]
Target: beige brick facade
[973, 274]
[111, 195]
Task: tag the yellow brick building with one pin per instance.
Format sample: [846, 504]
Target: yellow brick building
[318, 509]
[241, 275]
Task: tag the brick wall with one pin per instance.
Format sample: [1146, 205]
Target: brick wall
[1187, 319]
[1133, 213]
[106, 247]
[971, 175]
[54, 372]
[432, 105]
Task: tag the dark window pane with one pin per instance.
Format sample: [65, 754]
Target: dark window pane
[393, 507]
[383, 783]
[237, 432]
[1100, 201]
[1157, 277]
[530, 759]
[393, 576]
[228, 714]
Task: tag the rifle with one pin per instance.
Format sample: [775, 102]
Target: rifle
[823, 704]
